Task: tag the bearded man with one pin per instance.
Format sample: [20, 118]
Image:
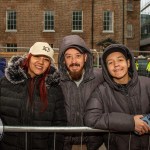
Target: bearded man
[78, 81]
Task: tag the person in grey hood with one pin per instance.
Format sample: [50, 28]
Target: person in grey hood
[30, 95]
[78, 81]
[119, 104]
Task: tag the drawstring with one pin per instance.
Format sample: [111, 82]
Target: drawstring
[148, 142]
[108, 140]
[130, 142]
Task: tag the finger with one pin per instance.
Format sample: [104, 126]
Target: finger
[145, 129]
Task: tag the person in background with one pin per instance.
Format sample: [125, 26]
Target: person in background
[30, 96]
[148, 67]
[78, 81]
[119, 104]
[2, 66]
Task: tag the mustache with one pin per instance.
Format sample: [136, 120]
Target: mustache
[74, 64]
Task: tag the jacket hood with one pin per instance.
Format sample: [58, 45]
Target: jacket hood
[132, 69]
[15, 74]
[76, 42]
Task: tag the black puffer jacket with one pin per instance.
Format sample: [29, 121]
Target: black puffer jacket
[15, 110]
[77, 96]
[112, 107]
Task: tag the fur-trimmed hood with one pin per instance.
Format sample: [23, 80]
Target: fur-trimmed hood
[16, 75]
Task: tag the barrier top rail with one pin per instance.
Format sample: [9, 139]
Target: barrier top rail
[49, 129]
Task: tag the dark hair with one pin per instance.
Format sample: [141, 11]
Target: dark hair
[41, 85]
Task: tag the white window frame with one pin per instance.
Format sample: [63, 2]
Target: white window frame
[129, 30]
[49, 22]
[11, 21]
[77, 21]
[108, 22]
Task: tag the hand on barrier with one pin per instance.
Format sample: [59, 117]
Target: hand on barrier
[142, 124]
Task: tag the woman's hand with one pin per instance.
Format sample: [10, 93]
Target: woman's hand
[140, 126]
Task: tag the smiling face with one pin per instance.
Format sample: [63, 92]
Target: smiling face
[38, 65]
[74, 61]
[117, 66]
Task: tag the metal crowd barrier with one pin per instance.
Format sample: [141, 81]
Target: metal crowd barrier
[49, 129]
[55, 130]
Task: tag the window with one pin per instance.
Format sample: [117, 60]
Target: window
[108, 21]
[49, 21]
[11, 47]
[129, 31]
[11, 20]
[77, 21]
[129, 6]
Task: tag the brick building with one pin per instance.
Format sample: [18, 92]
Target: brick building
[23, 22]
[145, 25]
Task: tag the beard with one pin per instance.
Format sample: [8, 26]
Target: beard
[76, 75]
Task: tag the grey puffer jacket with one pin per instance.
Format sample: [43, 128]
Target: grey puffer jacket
[76, 97]
[15, 110]
[112, 107]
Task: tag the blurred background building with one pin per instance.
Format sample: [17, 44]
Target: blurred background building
[145, 25]
[98, 22]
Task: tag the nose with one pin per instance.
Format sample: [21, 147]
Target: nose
[41, 60]
[116, 63]
[73, 59]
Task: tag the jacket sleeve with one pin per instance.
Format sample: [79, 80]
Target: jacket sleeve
[97, 117]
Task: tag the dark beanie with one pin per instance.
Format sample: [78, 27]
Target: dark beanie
[110, 50]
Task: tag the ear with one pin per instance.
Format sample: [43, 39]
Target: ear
[128, 63]
[85, 57]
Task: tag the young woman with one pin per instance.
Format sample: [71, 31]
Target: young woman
[31, 96]
[120, 103]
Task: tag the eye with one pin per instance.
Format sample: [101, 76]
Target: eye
[67, 56]
[78, 56]
[47, 59]
[109, 63]
[121, 59]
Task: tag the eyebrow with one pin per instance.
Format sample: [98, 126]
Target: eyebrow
[117, 57]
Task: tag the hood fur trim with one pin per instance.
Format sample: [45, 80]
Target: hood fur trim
[14, 73]
[53, 79]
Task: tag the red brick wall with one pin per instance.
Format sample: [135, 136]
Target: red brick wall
[30, 21]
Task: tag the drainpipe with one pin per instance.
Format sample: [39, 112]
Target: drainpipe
[123, 5]
[92, 26]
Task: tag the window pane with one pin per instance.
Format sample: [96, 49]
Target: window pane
[77, 20]
[11, 20]
[49, 20]
[129, 30]
[108, 21]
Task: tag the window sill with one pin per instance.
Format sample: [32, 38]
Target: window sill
[108, 31]
[48, 30]
[10, 30]
[80, 31]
